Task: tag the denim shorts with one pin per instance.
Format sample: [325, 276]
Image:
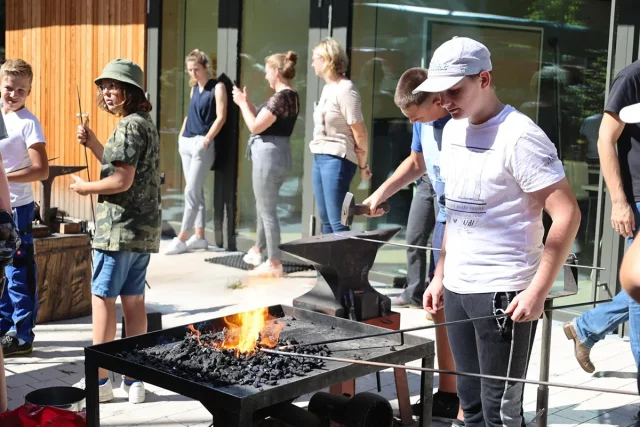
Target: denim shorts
[118, 273]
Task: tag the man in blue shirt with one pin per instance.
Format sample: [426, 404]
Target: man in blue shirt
[428, 118]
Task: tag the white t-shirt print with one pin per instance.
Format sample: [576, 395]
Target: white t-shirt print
[494, 226]
[24, 130]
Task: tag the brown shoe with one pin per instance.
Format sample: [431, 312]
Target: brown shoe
[581, 350]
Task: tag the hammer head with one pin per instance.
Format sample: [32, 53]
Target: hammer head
[348, 207]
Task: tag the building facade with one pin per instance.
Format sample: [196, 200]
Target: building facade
[553, 60]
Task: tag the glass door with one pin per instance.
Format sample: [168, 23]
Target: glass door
[549, 62]
[186, 25]
[268, 28]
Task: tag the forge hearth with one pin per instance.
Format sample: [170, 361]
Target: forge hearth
[198, 357]
[241, 404]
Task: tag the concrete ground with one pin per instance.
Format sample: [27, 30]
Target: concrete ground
[186, 289]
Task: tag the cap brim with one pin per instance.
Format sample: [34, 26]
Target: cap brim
[438, 84]
[630, 114]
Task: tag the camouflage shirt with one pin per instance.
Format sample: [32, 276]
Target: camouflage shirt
[130, 221]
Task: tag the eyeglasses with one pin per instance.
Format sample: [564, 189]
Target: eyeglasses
[111, 87]
[316, 58]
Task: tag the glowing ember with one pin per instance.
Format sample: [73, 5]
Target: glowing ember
[244, 332]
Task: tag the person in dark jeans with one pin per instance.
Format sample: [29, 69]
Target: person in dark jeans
[25, 161]
[630, 268]
[621, 171]
[340, 142]
[420, 224]
[501, 171]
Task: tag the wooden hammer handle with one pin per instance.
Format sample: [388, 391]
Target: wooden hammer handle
[365, 209]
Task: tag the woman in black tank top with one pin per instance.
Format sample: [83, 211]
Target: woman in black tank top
[205, 118]
[271, 125]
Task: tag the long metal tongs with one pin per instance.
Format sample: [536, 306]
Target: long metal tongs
[435, 325]
[447, 372]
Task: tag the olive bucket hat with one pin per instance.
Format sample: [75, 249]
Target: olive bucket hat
[122, 70]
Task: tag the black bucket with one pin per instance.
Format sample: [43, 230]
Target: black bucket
[69, 398]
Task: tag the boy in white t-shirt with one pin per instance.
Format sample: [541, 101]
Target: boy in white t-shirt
[501, 171]
[25, 161]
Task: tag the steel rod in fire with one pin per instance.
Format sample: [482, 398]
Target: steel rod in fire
[435, 325]
[428, 248]
[447, 372]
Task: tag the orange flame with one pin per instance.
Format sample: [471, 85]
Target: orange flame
[244, 332]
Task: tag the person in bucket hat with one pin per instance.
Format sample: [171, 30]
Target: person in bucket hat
[127, 228]
[501, 171]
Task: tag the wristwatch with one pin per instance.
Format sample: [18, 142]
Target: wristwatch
[366, 165]
[207, 140]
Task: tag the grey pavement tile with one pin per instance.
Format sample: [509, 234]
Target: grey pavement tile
[613, 418]
[576, 414]
[21, 366]
[46, 374]
[558, 421]
[17, 395]
[146, 412]
[18, 380]
[193, 417]
[629, 410]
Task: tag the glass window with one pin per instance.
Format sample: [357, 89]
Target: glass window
[268, 29]
[550, 62]
[186, 25]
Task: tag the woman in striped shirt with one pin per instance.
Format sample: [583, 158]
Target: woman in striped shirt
[340, 140]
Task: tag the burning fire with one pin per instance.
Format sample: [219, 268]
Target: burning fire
[244, 332]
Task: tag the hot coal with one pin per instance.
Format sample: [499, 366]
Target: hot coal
[203, 363]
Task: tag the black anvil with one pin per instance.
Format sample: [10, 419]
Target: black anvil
[343, 264]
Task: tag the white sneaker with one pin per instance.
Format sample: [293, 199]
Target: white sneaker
[252, 257]
[176, 246]
[196, 243]
[266, 269]
[135, 391]
[105, 391]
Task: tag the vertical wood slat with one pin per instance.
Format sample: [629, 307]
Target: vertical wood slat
[68, 42]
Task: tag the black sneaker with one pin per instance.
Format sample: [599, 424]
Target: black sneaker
[12, 347]
[443, 409]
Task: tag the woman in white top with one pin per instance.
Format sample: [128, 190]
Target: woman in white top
[339, 143]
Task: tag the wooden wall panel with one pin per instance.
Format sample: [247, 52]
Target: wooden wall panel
[68, 42]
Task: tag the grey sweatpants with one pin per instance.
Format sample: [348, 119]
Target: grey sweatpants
[271, 158]
[196, 163]
[490, 346]
[422, 219]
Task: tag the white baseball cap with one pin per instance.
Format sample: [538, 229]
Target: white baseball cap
[630, 114]
[452, 61]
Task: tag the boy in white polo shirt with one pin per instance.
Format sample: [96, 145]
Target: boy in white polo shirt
[25, 161]
[501, 171]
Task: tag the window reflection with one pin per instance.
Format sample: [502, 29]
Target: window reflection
[550, 62]
[260, 40]
[186, 25]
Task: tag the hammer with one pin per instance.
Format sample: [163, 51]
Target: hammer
[350, 208]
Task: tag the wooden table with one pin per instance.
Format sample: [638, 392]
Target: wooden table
[64, 276]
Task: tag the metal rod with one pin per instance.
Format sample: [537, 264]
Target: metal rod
[447, 372]
[420, 328]
[428, 248]
[542, 401]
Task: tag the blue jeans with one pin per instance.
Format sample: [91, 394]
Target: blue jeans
[593, 325]
[332, 176]
[19, 302]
